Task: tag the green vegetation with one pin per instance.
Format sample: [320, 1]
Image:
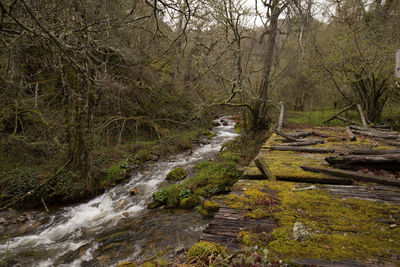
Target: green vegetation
[317, 117]
[211, 178]
[176, 174]
[205, 249]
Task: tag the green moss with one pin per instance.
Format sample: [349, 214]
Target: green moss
[250, 239]
[257, 214]
[211, 206]
[188, 203]
[149, 264]
[208, 208]
[210, 135]
[340, 229]
[205, 249]
[128, 264]
[176, 174]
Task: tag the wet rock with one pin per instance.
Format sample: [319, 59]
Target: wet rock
[2, 220]
[21, 219]
[153, 205]
[95, 205]
[134, 191]
[121, 204]
[23, 229]
[179, 249]
[34, 226]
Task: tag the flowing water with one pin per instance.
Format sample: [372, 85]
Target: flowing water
[116, 226]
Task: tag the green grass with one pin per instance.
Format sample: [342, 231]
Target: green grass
[317, 117]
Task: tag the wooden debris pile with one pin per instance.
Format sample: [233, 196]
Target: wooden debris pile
[349, 162]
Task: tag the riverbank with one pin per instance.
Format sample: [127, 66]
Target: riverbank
[117, 225]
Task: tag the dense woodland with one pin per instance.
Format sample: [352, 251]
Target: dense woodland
[92, 88]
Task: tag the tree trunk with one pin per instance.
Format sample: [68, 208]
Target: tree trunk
[260, 122]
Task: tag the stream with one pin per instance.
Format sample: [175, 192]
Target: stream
[116, 226]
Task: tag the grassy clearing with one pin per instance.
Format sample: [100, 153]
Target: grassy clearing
[317, 117]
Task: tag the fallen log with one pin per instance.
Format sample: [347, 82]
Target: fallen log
[365, 159]
[389, 142]
[357, 176]
[281, 116]
[304, 142]
[325, 135]
[360, 110]
[287, 136]
[374, 152]
[347, 120]
[301, 134]
[340, 112]
[303, 149]
[350, 134]
[354, 127]
[264, 169]
[377, 134]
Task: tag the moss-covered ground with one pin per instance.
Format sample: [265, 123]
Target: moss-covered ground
[335, 228]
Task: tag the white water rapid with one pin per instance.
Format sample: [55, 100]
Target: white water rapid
[73, 231]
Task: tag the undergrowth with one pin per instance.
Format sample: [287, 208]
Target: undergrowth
[212, 177]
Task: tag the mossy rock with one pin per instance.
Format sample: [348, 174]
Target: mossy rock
[153, 205]
[211, 135]
[206, 249]
[211, 206]
[128, 264]
[188, 203]
[149, 264]
[176, 174]
[208, 208]
[201, 192]
[143, 155]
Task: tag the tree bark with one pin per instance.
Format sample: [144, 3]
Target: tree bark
[364, 122]
[281, 116]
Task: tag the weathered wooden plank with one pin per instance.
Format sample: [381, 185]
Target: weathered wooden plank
[374, 151]
[264, 169]
[355, 175]
[304, 142]
[375, 159]
[303, 149]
